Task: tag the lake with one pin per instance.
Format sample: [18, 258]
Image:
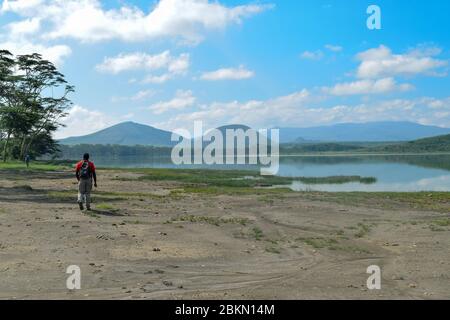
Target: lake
[393, 172]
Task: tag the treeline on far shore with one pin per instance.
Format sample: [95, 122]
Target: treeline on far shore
[434, 144]
[110, 151]
[119, 151]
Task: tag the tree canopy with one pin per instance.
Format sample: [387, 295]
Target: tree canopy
[33, 101]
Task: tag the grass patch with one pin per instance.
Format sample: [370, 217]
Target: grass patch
[337, 180]
[442, 222]
[69, 195]
[273, 250]
[62, 195]
[319, 242]
[237, 178]
[105, 206]
[232, 191]
[128, 195]
[364, 229]
[215, 178]
[439, 225]
[23, 188]
[435, 228]
[256, 233]
[333, 245]
[432, 201]
[349, 248]
[209, 220]
[36, 166]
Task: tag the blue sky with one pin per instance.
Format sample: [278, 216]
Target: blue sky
[264, 63]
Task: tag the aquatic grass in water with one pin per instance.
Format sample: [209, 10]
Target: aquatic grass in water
[240, 179]
[336, 180]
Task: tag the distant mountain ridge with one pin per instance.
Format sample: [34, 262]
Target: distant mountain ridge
[125, 133]
[131, 133]
[368, 132]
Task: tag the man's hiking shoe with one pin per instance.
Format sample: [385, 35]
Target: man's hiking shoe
[81, 205]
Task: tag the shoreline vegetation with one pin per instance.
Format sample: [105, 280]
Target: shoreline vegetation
[238, 183]
[70, 152]
[203, 177]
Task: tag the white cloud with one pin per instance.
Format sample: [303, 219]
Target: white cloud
[139, 96]
[254, 112]
[53, 53]
[20, 6]
[128, 116]
[333, 48]
[24, 27]
[143, 94]
[319, 54]
[88, 21]
[144, 61]
[17, 36]
[228, 74]
[381, 62]
[172, 65]
[367, 86]
[299, 110]
[157, 79]
[81, 121]
[309, 55]
[182, 100]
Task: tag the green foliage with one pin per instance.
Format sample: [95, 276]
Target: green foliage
[217, 221]
[318, 147]
[433, 144]
[239, 179]
[433, 201]
[113, 151]
[35, 166]
[28, 114]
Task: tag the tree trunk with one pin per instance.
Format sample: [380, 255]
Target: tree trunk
[5, 148]
[29, 144]
[22, 147]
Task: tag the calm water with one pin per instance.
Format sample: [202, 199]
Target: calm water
[393, 173]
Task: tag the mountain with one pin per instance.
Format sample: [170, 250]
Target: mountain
[371, 131]
[434, 144]
[126, 133]
[131, 133]
[233, 127]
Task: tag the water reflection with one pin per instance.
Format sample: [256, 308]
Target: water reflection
[393, 172]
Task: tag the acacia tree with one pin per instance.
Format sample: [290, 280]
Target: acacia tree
[32, 112]
[7, 98]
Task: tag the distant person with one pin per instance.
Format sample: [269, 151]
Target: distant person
[27, 160]
[85, 173]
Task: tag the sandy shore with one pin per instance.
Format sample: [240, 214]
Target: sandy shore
[146, 241]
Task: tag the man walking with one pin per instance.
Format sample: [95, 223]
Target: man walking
[27, 160]
[85, 173]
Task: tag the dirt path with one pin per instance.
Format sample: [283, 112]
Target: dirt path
[143, 241]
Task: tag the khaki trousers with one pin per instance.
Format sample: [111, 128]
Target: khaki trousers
[84, 191]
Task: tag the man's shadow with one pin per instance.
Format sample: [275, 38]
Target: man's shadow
[107, 213]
